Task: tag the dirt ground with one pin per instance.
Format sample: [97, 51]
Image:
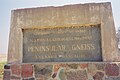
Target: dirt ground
[3, 57]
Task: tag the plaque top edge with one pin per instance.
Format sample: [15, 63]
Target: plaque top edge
[63, 26]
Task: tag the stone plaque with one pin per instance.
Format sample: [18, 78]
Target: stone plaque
[63, 44]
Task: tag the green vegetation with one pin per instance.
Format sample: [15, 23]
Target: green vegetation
[2, 69]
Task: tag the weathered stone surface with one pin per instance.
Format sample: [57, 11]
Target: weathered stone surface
[29, 79]
[62, 74]
[85, 65]
[41, 70]
[81, 71]
[27, 70]
[112, 70]
[77, 75]
[16, 69]
[6, 75]
[112, 78]
[40, 79]
[15, 78]
[56, 68]
[92, 69]
[100, 66]
[54, 75]
[55, 17]
[98, 76]
[73, 66]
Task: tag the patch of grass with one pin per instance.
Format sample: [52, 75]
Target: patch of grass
[2, 69]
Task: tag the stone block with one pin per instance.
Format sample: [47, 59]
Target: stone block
[16, 69]
[15, 78]
[43, 71]
[77, 75]
[100, 66]
[27, 70]
[6, 75]
[112, 78]
[98, 76]
[85, 65]
[29, 79]
[112, 70]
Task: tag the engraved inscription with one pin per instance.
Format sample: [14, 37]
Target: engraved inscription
[68, 44]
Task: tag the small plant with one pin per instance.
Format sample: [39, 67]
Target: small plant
[2, 69]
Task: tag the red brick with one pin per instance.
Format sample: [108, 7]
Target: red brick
[16, 69]
[112, 70]
[27, 70]
[84, 66]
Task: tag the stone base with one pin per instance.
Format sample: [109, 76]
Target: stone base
[63, 71]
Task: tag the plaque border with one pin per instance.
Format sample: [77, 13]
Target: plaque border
[65, 26]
